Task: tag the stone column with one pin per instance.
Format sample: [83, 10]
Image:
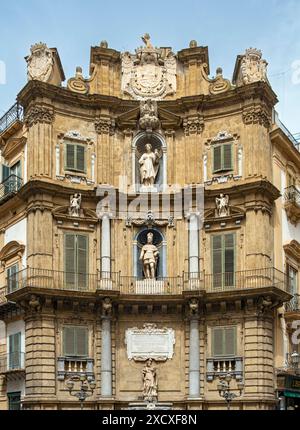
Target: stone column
[105, 244]
[193, 243]
[106, 352]
[194, 352]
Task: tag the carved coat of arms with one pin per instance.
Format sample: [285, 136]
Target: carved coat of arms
[40, 63]
[150, 73]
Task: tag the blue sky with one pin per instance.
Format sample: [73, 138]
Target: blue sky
[227, 27]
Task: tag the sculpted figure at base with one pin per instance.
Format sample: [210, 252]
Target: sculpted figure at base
[149, 163]
[150, 381]
[149, 257]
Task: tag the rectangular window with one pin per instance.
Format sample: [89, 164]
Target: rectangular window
[222, 158]
[14, 401]
[292, 280]
[76, 261]
[12, 278]
[224, 342]
[15, 356]
[75, 157]
[223, 260]
[75, 341]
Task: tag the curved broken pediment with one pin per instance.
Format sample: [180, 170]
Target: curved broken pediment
[11, 250]
[63, 213]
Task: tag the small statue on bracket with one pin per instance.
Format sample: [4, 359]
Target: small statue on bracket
[222, 204]
[75, 205]
[150, 382]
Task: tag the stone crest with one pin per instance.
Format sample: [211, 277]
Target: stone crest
[253, 67]
[40, 63]
[150, 73]
[150, 342]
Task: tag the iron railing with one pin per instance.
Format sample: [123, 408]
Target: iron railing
[12, 361]
[294, 304]
[292, 195]
[10, 187]
[58, 280]
[241, 280]
[15, 113]
[128, 285]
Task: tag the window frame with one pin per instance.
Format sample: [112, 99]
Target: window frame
[76, 272]
[223, 261]
[75, 169]
[75, 346]
[10, 402]
[224, 328]
[223, 169]
[9, 289]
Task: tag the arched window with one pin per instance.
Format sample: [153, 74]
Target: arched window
[159, 242]
[139, 149]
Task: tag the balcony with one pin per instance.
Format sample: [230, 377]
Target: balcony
[294, 304]
[219, 367]
[69, 367]
[292, 204]
[13, 362]
[11, 120]
[66, 281]
[160, 286]
[9, 188]
[242, 280]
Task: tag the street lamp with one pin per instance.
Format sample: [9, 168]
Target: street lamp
[225, 390]
[293, 360]
[86, 388]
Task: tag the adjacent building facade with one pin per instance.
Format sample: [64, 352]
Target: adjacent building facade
[149, 235]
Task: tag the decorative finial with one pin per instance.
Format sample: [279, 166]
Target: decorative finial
[104, 44]
[146, 39]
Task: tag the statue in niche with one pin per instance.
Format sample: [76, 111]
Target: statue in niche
[75, 205]
[149, 165]
[150, 381]
[222, 204]
[149, 257]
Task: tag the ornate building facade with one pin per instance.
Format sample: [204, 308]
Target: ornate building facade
[149, 236]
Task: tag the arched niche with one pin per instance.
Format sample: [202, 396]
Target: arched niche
[159, 241]
[138, 149]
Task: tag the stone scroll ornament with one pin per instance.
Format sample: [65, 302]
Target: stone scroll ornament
[150, 73]
[40, 63]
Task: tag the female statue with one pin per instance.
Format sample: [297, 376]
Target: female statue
[150, 381]
[149, 163]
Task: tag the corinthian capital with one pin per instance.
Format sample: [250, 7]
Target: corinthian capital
[105, 125]
[38, 114]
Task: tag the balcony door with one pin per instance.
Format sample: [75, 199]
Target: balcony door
[14, 359]
[223, 261]
[76, 262]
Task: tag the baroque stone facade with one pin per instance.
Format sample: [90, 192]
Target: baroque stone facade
[142, 234]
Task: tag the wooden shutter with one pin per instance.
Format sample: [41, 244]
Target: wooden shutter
[70, 157]
[70, 260]
[5, 172]
[12, 282]
[80, 158]
[68, 342]
[81, 341]
[229, 341]
[82, 261]
[227, 157]
[217, 258]
[15, 351]
[229, 259]
[217, 342]
[217, 162]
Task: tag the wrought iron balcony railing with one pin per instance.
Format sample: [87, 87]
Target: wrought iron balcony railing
[56, 280]
[292, 195]
[12, 362]
[294, 304]
[9, 187]
[241, 280]
[128, 285]
[15, 113]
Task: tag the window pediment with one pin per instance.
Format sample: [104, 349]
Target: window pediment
[11, 250]
[293, 250]
[62, 213]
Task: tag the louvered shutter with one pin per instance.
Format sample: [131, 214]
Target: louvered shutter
[82, 257]
[80, 158]
[229, 259]
[15, 351]
[5, 172]
[217, 267]
[70, 157]
[69, 341]
[217, 159]
[229, 341]
[217, 342]
[12, 282]
[81, 341]
[70, 260]
[227, 157]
